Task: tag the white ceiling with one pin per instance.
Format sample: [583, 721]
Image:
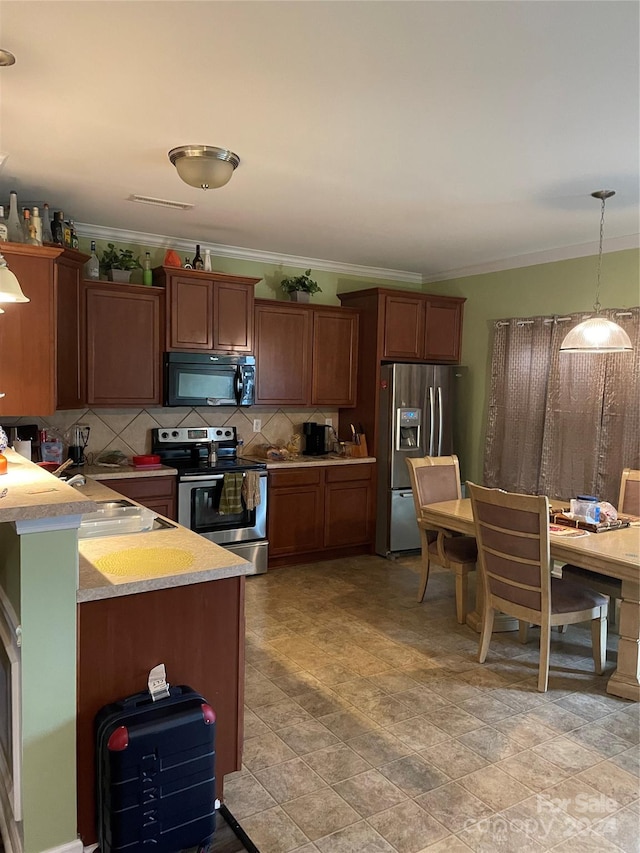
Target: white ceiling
[424, 137]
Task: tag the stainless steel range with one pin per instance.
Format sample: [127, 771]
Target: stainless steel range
[220, 496]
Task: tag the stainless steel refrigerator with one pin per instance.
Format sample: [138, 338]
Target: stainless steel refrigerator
[415, 419]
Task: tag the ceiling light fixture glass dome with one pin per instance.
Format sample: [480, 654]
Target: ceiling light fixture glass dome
[204, 166]
[597, 334]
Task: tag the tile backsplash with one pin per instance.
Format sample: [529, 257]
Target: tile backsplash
[128, 430]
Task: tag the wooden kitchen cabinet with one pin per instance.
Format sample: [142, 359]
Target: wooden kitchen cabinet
[320, 513]
[283, 354]
[295, 505]
[207, 312]
[411, 326]
[397, 325]
[156, 493]
[196, 630]
[40, 364]
[306, 355]
[348, 505]
[123, 344]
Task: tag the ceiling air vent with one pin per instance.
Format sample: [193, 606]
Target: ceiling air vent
[160, 202]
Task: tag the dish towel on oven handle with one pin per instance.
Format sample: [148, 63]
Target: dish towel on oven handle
[230, 498]
[251, 490]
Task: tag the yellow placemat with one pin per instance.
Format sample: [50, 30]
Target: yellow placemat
[145, 562]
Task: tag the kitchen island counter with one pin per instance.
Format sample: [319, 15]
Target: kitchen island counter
[137, 562]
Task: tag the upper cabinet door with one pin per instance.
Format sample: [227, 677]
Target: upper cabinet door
[404, 327]
[283, 354]
[208, 310]
[123, 345]
[443, 330]
[335, 357]
[232, 317]
[190, 312]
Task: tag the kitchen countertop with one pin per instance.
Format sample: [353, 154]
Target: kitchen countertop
[204, 561]
[314, 461]
[98, 472]
[33, 493]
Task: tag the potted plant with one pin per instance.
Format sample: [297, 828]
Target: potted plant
[118, 264]
[300, 287]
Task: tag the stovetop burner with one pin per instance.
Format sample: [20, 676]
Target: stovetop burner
[187, 449]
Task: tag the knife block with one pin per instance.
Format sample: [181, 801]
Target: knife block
[357, 451]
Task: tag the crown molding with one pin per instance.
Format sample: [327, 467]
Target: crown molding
[159, 241]
[116, 235]
[548, 256]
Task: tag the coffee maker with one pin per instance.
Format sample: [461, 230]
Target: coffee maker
[316, 437]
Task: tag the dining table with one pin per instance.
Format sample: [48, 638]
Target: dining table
[615, 553]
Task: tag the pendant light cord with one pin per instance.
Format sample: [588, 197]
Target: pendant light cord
[597, 302]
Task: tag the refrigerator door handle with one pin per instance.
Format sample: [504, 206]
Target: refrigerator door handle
[432, 419]
[439, 420]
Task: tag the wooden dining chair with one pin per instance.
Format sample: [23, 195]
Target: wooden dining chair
[628, 504]
[512, 532]
[435, 479]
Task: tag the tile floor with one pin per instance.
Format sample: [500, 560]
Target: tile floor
[371, 728]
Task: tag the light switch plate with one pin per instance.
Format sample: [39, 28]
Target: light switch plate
[257, 424]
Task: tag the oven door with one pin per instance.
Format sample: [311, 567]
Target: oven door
[199, 510]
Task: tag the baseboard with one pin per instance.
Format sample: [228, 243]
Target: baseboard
[69, 847]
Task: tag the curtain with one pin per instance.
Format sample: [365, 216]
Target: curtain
[561, 424]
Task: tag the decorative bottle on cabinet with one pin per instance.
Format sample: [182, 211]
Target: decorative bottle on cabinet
[147, 275]
[3, 226]
[198, 263]
[207, 260]
[47, 236]
[37, 224]
[14, 226]
[92, 267]
[57, 227]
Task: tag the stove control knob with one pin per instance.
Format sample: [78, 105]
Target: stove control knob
[218, 432]
[175, 433]
[164, 435]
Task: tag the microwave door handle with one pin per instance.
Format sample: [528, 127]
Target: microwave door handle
[238, 385]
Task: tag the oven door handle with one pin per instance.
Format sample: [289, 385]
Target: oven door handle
[202, 480]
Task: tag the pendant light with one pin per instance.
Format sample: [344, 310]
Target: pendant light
[204, 166]
[597, 334]
[10, 290]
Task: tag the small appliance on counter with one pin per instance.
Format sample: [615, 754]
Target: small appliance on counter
[316, 439]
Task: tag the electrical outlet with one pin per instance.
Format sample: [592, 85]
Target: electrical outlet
[257, 424]
[328, 422]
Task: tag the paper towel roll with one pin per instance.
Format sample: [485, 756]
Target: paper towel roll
[23, 448]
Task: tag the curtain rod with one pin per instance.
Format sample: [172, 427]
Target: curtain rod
[499, 323]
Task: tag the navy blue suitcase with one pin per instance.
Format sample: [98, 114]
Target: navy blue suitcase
[156, 773]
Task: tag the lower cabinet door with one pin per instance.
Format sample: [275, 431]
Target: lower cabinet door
[348, 507]
[295, 512]
[156, 493]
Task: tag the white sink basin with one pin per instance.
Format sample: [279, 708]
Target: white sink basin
[119, 517]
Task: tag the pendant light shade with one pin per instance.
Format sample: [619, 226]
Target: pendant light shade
[204, 166]
[597, 334]
[10, 290]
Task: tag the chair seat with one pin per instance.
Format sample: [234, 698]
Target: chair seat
[603, 583]
[460, 549]
[567, 596]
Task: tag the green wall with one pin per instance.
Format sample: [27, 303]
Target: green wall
[559, 288]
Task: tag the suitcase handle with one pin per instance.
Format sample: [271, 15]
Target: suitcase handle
[139, 699]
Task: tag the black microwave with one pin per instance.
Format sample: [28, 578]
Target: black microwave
[203, 379]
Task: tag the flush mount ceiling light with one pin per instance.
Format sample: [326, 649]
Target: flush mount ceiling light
[597, 334]
[6, 58]
[204, 166]
[10, 290]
